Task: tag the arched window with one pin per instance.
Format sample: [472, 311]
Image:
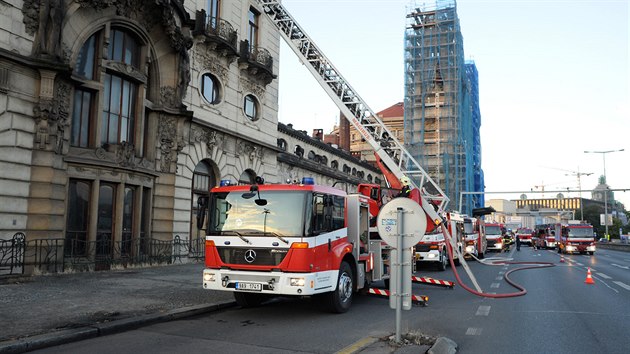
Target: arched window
[334, 164]
[117, 81]
[311, 155]
[299, 151]
[282, 144]
[247, 177]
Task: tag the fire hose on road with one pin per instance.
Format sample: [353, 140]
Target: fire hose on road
[522, 291]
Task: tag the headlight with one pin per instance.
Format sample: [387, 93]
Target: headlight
[297, 281]
[432, 255]
[207, 276]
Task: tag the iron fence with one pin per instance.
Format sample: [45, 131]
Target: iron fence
[19, 256]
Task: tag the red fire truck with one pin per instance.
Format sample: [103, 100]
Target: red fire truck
[293, 240]
[475, 237]
[524, 235]
[306, 240]
[545, 235]
[577, 237]
[494, 236]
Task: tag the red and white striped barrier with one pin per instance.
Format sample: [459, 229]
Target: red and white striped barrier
[421, 299]
[431, 281]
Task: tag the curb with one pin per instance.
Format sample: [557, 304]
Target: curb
[102, 329]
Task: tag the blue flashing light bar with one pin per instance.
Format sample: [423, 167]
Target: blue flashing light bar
[225, 183]
[308, 180]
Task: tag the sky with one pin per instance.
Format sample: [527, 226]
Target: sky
[553, 83]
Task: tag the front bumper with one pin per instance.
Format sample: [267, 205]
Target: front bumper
[275, 283]
[430, 256]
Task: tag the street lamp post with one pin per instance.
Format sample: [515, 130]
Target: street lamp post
[606, 181]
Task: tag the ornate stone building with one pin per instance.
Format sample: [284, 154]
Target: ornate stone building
[116, 115]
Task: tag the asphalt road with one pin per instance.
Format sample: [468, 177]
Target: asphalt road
[559, 314]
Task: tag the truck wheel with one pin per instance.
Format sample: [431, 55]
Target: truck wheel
[249, 299]
[339, 300]
[591, 253]
[443, 261]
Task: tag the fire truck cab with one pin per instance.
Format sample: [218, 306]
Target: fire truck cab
[266, 240]
[524, 235]
[577, 237]
[475, 237]
[545, 235]
[494, 236]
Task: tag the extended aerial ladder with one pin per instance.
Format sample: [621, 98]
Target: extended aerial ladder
[385, 145]
[392, 153]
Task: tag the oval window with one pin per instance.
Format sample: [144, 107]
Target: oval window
[250, 106]
[210, 88]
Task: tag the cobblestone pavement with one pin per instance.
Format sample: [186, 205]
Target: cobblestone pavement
[48, 303]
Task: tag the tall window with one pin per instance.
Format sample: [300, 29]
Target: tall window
[213, 12]
[252, 27]
[110, 86]
[118, 110]
[126, 245]
[81, 117]
[203, 181]
[77, 221]
[105, 220]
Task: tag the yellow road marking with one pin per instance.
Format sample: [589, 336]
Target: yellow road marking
[358, 345]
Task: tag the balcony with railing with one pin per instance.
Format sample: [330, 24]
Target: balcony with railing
[219, 33]
[257, 61]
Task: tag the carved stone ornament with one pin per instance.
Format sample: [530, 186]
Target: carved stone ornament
[252, 152]
[168, 97]
[252, 87]
[44, 19]
[137, 10]
[208, 136]
[170, 145]
[208, 61]
[126, 154]
[51, 118]
[128, 69]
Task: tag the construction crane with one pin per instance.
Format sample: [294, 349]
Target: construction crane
[391, 152]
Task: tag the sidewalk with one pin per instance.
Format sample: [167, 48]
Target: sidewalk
[43, 310]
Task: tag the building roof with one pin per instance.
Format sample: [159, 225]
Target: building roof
[397, 110]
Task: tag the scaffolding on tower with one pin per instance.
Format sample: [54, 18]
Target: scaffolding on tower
[439, 102]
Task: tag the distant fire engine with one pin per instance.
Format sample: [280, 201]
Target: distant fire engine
[576, 237]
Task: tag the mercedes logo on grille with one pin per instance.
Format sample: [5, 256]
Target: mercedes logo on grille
[250, 256]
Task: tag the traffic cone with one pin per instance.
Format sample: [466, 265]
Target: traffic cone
[589, 279]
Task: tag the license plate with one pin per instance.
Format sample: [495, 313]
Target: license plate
[248, 286]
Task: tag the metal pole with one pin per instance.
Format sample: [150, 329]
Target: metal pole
[399, 260]
[605, 198]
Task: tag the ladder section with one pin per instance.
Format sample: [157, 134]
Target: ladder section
[352, 106]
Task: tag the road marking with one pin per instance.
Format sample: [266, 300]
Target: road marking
[358, 345]
[578, 263]
[623, 285]
[620, 266]
[498, 278]
[471, 331]
[495, 285]
[483, 311]
[501, 272]
[603, 275]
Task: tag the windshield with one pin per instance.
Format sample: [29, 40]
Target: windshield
[283, 215]
[524, 231]
[580, 232]
[493, 230]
